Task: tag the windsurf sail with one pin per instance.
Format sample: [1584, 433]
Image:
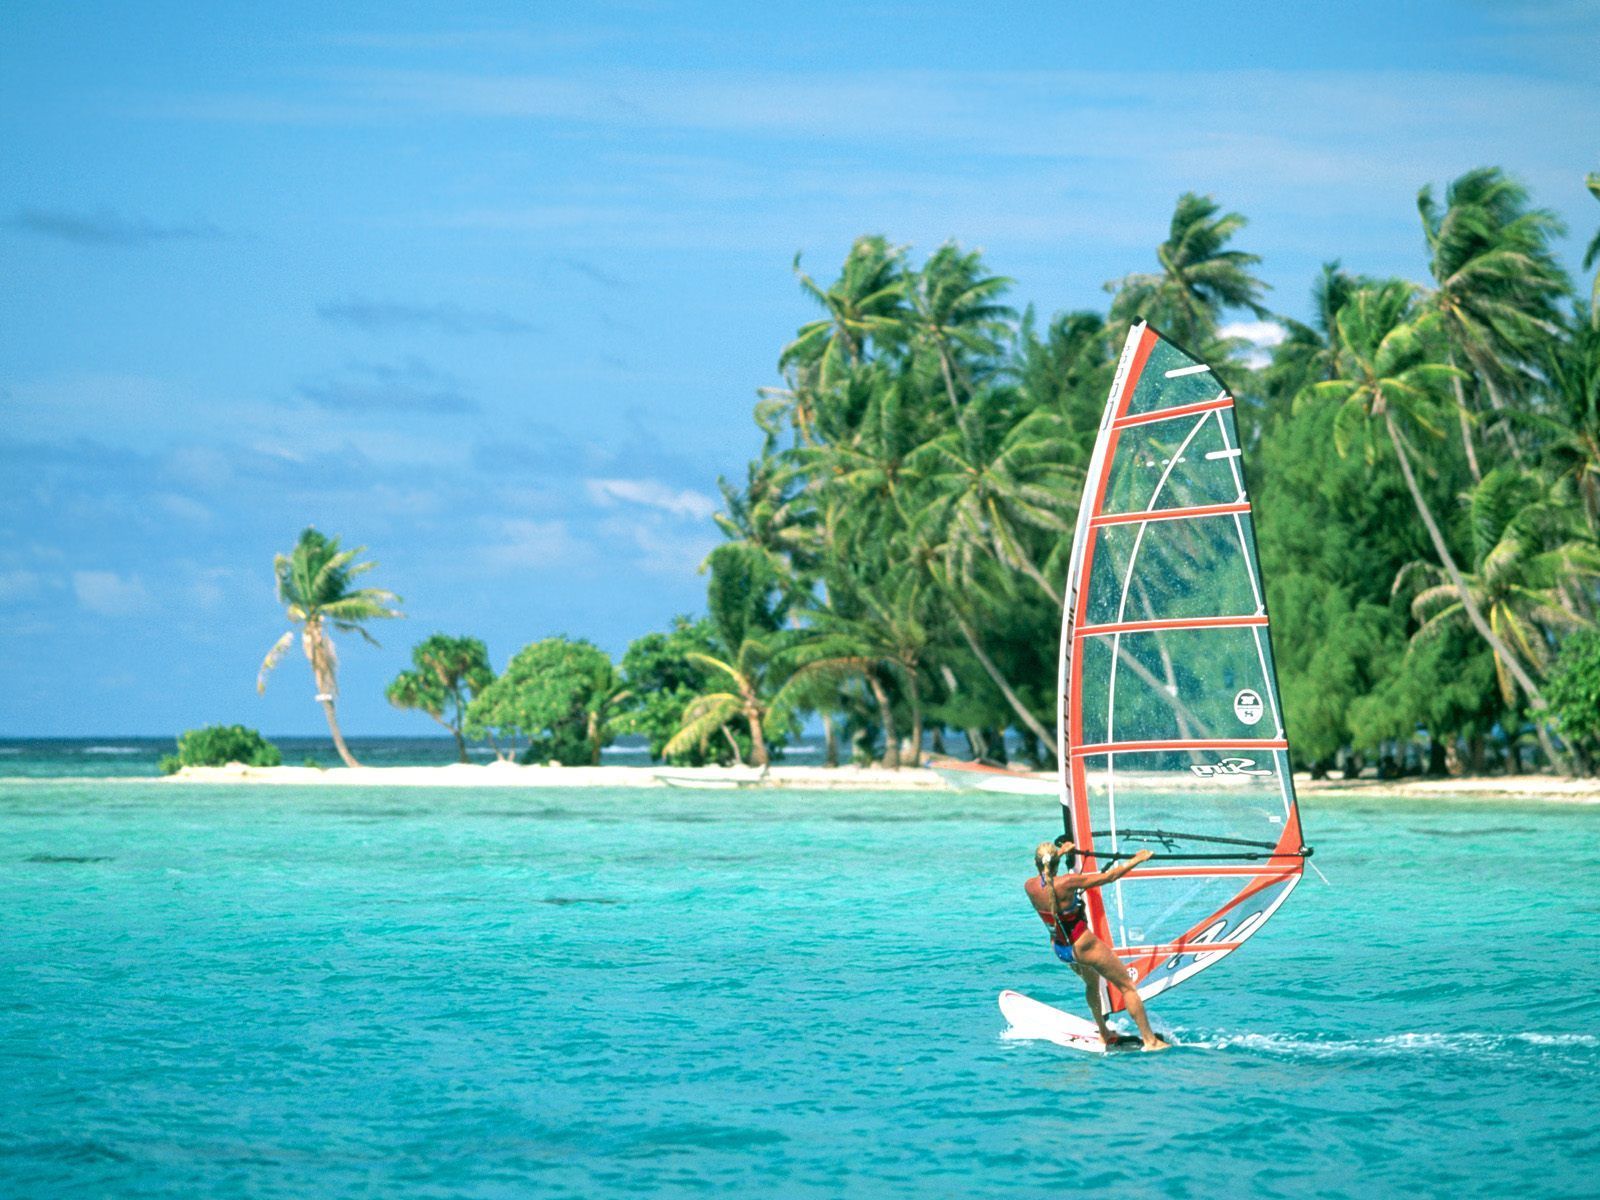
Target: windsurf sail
[1172, 730]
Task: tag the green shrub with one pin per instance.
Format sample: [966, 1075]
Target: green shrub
[1574, 688]
[218, 745]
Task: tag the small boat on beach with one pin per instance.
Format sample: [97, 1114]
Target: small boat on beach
[991, 777]
[714, 778]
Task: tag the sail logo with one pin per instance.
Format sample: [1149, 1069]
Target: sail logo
[1230, 766]
[1247, 706]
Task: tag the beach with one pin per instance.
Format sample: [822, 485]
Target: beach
[1550, 788]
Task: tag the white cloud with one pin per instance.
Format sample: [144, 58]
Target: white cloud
[662, 549]
[110, 594]
[1258, 333]
[679, 502]
[1262, 336]
[524, 543]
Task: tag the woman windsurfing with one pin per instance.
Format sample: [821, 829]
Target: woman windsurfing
[1058, 899]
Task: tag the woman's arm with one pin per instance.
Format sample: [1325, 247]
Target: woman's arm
[1100, 878]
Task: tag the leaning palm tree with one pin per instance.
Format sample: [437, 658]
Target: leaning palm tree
[1388, 382]
[1199, 277]
[993, 484]
[1572, 421]
[314, 586]
[1532, 566]
[876, 619]
[747, 609]
[1497, 288]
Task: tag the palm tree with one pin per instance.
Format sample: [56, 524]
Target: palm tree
[747, 611]
[447, 672]
[867, 302]
[1387, 379]
[1198, 279]
[993, 484]
[795, 404]
[314, 586]
[608, 691]
[745, 672]
[874, 619]
[1310, 353]
[1530, 569]
[957, 311]
[1497, 286]
[769, 518]
[1573, 422]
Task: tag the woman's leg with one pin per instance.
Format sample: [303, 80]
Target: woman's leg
[1092, 952]
[1091, 993]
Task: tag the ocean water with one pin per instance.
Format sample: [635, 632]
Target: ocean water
[333, 992]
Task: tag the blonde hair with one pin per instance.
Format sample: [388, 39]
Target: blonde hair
[1046, 855]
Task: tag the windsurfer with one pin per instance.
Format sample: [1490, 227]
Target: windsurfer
[1058, 899]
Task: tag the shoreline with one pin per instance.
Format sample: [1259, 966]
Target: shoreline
[1544, 788]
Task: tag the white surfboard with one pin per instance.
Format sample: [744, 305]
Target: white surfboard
[1031, 1020]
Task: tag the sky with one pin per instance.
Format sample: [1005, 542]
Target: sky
[489, 289]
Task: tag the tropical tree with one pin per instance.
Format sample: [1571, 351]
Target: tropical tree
[447, 672]
[768, 516]
[1575, 693]
[747, 609]
[314, 582]
[870, 627]
[958, 314]
[1571, 424]
[866, 303]
[1529, 565]
[1199, 277]
[1496, 288]
[1388, 381]
[664, 684]
[993, 484]
[564, 696]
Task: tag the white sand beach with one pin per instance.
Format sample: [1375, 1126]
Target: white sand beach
[502, 774]
[1502, 787]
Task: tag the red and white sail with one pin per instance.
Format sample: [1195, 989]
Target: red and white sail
[1172, 730]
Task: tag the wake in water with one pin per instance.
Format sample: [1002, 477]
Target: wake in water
[1299, 1045]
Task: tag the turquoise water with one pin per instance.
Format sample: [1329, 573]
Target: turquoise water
[326, 993]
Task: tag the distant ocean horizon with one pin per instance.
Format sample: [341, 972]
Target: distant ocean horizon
[111, 756]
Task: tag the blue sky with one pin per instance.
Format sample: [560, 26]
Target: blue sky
[489, 288]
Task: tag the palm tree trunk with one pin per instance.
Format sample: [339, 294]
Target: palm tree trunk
[1015, 701]
[326, 700]
[592, 732]
[1466, 426]
[758, 736]
[738, 758]
[1474, 614]
[891, 743]
[914, 698]
[830, 741]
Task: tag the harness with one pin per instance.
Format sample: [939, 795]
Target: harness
[1063, 921]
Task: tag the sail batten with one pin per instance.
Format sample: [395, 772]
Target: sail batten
[1172, 735]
